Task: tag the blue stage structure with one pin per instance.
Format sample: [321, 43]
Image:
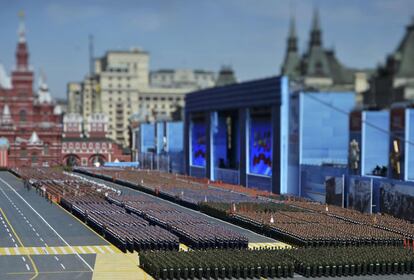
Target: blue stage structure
[160, 146]
[323, 137]
[231, 133]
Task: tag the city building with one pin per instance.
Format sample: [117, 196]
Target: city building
[89, 147]
[318, 68]
[394, 81]
[121, 86]
[30, 122]
[182, 78]
[226, 77]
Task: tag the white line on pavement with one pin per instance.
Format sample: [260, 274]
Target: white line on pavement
[41, 217]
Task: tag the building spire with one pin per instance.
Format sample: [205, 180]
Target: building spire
[316, 33]
[315, 20]
[22, 55]
[22, 28]
[292, 27]
[292, 41]
[291, 62]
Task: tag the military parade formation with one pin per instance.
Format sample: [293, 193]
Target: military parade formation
[327, 240]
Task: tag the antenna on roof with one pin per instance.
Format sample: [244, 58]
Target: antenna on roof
[90, 54]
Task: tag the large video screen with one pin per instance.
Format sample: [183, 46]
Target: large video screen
[260, 146]
[198, 143]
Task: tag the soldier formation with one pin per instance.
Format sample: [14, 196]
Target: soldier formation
[331, 241]
[309, 262]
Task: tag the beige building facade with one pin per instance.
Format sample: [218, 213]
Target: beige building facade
[120, 87]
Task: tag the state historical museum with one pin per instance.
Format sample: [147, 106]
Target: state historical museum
[30, 123]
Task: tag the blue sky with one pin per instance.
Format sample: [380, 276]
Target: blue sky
[248, 34]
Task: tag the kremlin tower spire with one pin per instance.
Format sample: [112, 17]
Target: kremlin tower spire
[22, 54]
[22, 76]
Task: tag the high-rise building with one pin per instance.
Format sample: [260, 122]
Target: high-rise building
[30, 123]
[319, 68]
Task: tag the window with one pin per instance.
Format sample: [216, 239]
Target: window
[23, 152]
[46, 149]
[34, 158]
[23, 115]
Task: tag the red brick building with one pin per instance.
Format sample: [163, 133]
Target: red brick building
[30, 124]
[91, 147]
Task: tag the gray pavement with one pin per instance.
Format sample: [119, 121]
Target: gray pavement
[29, 220]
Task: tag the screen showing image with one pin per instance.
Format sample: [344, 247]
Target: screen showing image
[360, 194]
[198, 144]
[260, 146]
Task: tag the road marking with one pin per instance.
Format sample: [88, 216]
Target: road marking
[100, 249]
[61, 264]
[36, 272]
[90, 249]
[82, 250]
[109, 249]
[24, 259]
[27, 267]
[56, 258]
[63, 250]
[41, 217]
[54, 250]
